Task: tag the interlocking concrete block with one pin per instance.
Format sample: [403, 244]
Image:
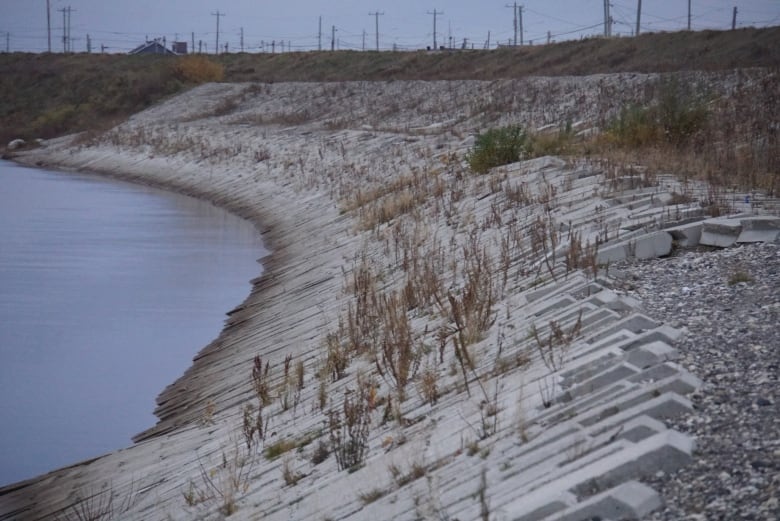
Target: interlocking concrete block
[667, 405]
[631, 500]
[651, 354]
[636, 323]
[651, 246]
[722, 232]
[759, 229]
[686, 235]
[542, 508]
[666, 451]
[610, 254]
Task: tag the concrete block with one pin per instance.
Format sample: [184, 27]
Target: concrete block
[666, 451]
[651, 246]
[667, 405]
[759, 229]
[542, 509]
[686, 235]
[555, 304]
[640, 428]
[636, 323]
[603, 379]
[630, 500]
[651, 354]
[722, 232]
[610, 254]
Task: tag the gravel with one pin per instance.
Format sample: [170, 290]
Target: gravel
[727, 303]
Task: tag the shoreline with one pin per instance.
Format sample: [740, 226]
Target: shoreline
[256, 281]
[269, 227]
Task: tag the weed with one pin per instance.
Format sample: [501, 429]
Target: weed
[260, 381]
[224, 482]
[349, 429]
[289, 474]
[98, 505]
[278, 448]
[337, 357]
[321, 453]
[371, 495]
[398, 358]
[484, 507]
[428, 385]
[401, 478]
[196, 68]
[554, 349]
[739, 276]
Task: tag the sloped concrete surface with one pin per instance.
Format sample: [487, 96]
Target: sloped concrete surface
[565, 410]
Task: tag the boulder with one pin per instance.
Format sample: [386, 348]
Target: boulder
[16, 144]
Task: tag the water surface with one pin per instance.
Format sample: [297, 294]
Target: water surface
[107, 291]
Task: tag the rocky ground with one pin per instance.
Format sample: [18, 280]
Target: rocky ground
[728, 304]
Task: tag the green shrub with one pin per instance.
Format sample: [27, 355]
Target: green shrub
[499, 146]
[673, 121]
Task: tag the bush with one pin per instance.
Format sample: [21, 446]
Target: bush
[673, 121]
[198, 69]
[499, 146]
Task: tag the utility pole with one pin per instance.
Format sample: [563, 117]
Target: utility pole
[192, 49]
[435, 13]
[638, 15]
[70, 45]
[520, 21]
[607, 20]
[514, 11]
[364, 39]
[48, 21]
[218, 15]
[319, 38]
[734, 19]
[333, 38]
[7, 42]
[64, 30]
[89, 45]
[549, 37]
[689, 15]
[376, 16]
[242, 39]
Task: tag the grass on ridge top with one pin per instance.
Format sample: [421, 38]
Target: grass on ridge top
[48, 95]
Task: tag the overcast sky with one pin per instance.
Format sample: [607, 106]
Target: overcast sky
[408, 24]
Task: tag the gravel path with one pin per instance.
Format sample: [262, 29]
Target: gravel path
[728, 304]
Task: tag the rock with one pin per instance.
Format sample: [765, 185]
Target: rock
[16, 144]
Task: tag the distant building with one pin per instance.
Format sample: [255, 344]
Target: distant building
[156, 46]
[179, 47]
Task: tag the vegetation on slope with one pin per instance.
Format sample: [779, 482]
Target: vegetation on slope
[47, 95]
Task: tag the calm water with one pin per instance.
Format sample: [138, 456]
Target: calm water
[107, 291]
